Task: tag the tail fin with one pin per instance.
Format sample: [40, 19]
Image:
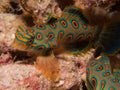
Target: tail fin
[110, 36]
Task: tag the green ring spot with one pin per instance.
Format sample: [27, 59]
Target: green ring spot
[111, 87]
[70, 34]
[59, 33]
[51, 38]
[102, 82]
[65, 21]
[89, 35]
[39, 36]
[43, 27]
[53, 27]
[104, 73]
[84, 26]
[95, 83]
[112, 80]
[81, 36]
[76, 21]
[97, 68]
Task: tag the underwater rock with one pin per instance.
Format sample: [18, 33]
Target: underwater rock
[16, 77]
[41, 9]
[25, 76]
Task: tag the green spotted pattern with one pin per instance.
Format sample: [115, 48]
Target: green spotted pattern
[100, 76]
[70, 27]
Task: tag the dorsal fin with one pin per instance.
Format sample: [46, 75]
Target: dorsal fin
[72, 10]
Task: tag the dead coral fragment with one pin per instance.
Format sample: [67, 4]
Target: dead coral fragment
[19, 77]
[8, 26]
[40, 10]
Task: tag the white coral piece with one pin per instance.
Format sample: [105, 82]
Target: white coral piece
[8, 26]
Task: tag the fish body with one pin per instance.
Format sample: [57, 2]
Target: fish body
[71, 28]
[100, 75]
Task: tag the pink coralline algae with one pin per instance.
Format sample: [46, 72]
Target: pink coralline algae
[5, 59]
[22, 77]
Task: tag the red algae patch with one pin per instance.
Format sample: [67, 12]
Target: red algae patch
[17, 77]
